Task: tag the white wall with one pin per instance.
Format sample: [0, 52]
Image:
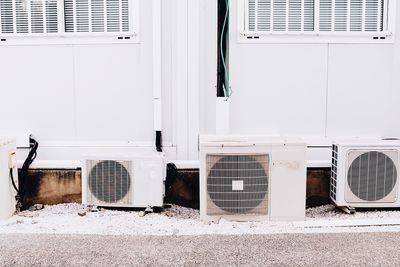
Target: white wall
[316, 91]
[75, 99]
[78, 99]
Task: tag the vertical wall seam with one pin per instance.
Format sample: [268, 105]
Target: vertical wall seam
[327, 89]
[187, 81]
[74, 88]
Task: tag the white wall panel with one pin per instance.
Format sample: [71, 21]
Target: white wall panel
[360, 101]
[167, 87]
[113, 93]
[208, 65]
[37, 91]
[77, 98]
[193, 78]
[394, 93]
[278, 89]
[395, 87]
[180, 78]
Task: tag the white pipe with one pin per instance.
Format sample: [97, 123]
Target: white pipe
[222, 118]
[157, 74]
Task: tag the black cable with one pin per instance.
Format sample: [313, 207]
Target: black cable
[25, 167]
[159, 141]
[221, 76]
[12, 181]
[172, 173]
[18, 198]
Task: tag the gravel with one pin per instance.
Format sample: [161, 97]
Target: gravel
[332, 212]
[348, 249]
[70, 219]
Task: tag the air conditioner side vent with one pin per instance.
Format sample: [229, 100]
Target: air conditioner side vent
[333, 186]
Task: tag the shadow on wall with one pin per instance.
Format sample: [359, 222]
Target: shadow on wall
[182, 187]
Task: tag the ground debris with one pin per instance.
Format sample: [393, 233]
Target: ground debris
[36, 207]
[91, 208]
[82, 213]
[181, 212]
[28, 214]
[176, 220]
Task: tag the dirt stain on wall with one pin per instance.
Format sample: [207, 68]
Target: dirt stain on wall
[52, 187]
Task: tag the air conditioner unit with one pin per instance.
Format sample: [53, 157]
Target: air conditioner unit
[7, 191]
[365, 174]
[135, 181]
[246, 178]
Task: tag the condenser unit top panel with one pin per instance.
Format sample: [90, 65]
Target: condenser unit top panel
[124, 156]
[248, 141]
[362, 143]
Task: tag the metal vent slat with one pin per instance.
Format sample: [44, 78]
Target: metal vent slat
[293, 16]
[96, 16]
[109, 181]
[28, 16]
[372, 176]
[334, 172]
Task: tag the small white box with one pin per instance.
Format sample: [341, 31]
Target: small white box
[7, 191]
[237, 185]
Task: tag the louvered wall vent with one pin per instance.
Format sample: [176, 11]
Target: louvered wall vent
[96, 16]
[69, 16]
[316, 16]
[28, 16]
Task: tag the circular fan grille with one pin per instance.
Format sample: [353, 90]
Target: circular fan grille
[109, 181]
[372, 176]
[248, 172]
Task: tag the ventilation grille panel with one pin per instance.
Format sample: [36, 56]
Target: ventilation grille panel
[237, 184]
[109, 181]
[28, 16]
[302, 15]
[334, 171]
[372, 176]
[83, 16]
[281, 15]
[353, 15]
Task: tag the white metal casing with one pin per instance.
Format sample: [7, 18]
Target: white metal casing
[287, 174]
[147, 176]
[344, 154]
[7, 192]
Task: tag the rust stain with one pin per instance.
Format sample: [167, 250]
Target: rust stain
[318, 183]
[53, 186]
[64, 186]
[180, 190]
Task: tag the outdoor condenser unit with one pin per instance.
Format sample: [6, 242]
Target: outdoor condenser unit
[248, 178]
[365, 174]
[130, 181]
[7, 191]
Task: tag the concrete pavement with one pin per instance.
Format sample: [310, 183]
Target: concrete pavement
[365, 249]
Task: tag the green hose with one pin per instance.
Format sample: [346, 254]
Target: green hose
[227, 89]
